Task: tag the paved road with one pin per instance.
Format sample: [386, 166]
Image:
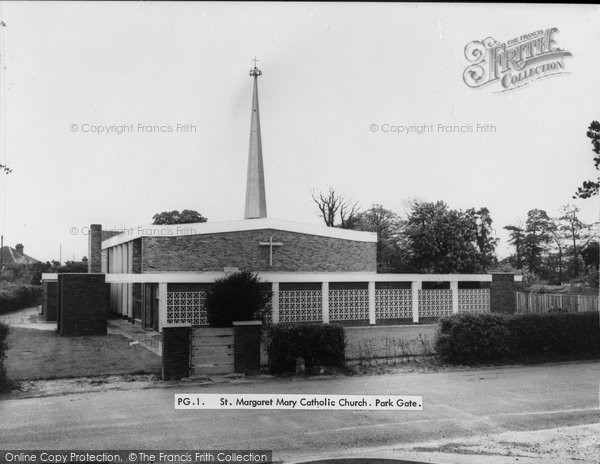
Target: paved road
[457, 404]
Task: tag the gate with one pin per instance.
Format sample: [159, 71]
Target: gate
[211, 351]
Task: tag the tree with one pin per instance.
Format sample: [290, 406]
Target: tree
[175, 217]
[591, 258]
[558, 239]
[70, 266]
[591, 254]
[578, 233]
[486, 243]
[590, 188]
[517, 238]
[332, 203]
[538, 234]
[388, 227]
[442, 240]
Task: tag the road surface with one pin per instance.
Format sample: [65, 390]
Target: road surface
[457, 405]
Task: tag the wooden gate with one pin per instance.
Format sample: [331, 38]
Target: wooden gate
[211, 351]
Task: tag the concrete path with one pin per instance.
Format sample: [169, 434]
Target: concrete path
[489, 414]
[27, 318]
[137, 334]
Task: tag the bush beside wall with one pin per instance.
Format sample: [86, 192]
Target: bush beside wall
[13, 297]
[318, 344]
[238, 297]
[3, 347]
[490, 338]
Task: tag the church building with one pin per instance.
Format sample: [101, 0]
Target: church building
[158, 273]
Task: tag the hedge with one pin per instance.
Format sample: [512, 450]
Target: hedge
[3, 347]
[490, 338]
[318, 344]
[13, 297]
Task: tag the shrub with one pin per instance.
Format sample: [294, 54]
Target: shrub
[13, 297]
[489, 338]
[238, 297]
[318, 344]
[3, 347]
[472, 338]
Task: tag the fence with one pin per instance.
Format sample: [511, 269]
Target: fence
[528, 303]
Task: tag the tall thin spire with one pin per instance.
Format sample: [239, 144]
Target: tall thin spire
[256, 202]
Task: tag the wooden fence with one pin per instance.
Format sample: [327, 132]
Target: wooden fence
[527, 303]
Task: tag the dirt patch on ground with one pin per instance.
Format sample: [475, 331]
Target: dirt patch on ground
[31, 388]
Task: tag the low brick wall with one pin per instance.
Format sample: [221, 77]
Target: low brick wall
[82, 304]
[247, 348]
[49, 301]
[176, 353]
[364, 343]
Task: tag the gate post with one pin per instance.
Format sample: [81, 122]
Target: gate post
[246, 351]
[502, 291]
[176, 353]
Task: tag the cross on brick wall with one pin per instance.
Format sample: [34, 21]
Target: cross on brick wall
[271, 244]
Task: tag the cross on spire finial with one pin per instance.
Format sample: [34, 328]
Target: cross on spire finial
[255, 72]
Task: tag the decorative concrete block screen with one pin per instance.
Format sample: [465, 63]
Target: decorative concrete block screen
[186, 308]
[348, 305]
[393, 303]
[300, 306]
[473, 300]
[384, 300]
[189, 308]
[435, 303]
[267, 314]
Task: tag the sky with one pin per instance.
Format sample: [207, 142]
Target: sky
[337, 79]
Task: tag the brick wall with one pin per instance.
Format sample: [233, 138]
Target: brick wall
[247, 337]
[502, 293]
[299, 253]
[82, 304]
[176, 353]
[95, 248]
[49, 301]
[136, 256]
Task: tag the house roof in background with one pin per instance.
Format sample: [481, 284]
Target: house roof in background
[9, 255]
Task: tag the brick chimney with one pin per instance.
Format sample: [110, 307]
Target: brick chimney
[95, 248]
[19, 248]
